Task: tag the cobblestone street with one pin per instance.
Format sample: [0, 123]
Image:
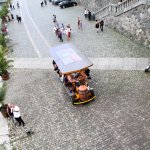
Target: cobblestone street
[119, 117]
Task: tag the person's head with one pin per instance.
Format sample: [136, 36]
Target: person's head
[16, 109]
[6, 105]
[10, 105]
[77, 83]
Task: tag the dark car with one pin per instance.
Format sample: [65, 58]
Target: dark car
[65, 4]
[56, 2]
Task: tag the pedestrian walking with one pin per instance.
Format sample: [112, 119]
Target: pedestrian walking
[101, 25]
[16, 113]
[78, 23]
[85, 13]
[56, 31]
[45, 2]
[12, 16]
[68, 31]
[89, 15]
[18, 5]
[62, 28]
[11, 6]
[97, 26]
[8, 18]
[60, 35]
[18, 18]
[42, 4]
[54, 19]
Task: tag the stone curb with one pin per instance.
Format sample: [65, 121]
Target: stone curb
[108, 63]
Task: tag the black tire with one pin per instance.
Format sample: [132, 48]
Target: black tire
[64, 6]
[92, 93]
[74, 4]
[146, 70]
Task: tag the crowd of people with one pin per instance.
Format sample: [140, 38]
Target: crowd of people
[73, 80]
[87, 14]
[43, 3]
[61, 30]
[10, 15]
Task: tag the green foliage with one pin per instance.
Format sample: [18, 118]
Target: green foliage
[4, 63]
[4, 11]
[8, 1]
[2, 93]
[2, 40]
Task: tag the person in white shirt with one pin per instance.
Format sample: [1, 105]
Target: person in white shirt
[16, 113]
[85, 13]
[68, 32]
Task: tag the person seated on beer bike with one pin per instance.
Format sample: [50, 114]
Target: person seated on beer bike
[71, 80]
[55, 66]
[66, 81]
[82, 77]
[59, 73]
[77, 86]
[87, 72]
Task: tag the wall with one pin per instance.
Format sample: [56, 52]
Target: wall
[95, 5]
[135, 24]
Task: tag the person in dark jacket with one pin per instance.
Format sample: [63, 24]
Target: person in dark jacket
[89, 15]
[45, 2]
[12, 16]
[101, 25]
[42, 4]
[97, 23]
[60, 35]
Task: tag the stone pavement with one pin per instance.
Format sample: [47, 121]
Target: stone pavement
[118, 119]
[4, 138]
[99, 63]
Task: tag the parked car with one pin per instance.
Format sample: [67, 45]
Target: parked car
[65, 4]
[56, 2]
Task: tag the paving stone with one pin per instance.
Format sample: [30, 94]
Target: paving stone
[117, 119]
[119, 116]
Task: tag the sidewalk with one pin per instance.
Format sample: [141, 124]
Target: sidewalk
[4, 133]
[108, 63]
